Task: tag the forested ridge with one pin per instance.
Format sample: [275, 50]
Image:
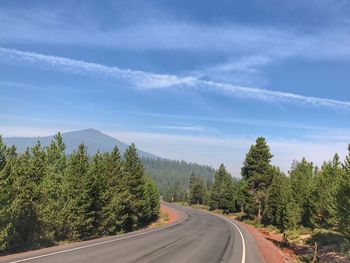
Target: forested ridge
[47, 198]
[172, 177]
[308, 196]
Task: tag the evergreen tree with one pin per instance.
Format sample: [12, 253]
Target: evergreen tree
[197, 190]
[135, 183]
[279, 196]
[324, 201]
[77, 200]
[346, 164]
[118, 210]
[3, 151]
[257, 171]
[343, 202]
[292, 217]
[7, 197]
[302, 184]
[23, 228]
[52, 200]
[244, 199]
[151, 199]
[221, 195]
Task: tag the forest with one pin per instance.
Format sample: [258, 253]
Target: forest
[47, 197]
[172, 177]
[308, 196]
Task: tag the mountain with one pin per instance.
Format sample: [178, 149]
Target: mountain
[94, 140]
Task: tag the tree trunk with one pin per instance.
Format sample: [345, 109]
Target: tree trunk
[259, 212]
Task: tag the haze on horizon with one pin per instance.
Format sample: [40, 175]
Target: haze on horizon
[182, 80]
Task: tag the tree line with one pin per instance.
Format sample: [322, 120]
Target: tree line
[47, 197]
[307, 196]
[172, 177]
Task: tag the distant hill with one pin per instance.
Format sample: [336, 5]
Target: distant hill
[171, 176]
[94, 141]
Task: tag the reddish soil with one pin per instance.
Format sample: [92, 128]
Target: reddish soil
[267, 244]
[173, 214]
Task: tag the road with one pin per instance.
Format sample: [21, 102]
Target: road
[196, 236]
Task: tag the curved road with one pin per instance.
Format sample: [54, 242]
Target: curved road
[196, 237]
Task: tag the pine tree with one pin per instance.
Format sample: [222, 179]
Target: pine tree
[77, 210]
[134, 172]
[23, 229]
[302, 184]
[7, 197]
[197, 190]
[3, 151]
[279, 196]
[324, 201]
[96, 186]
[151, 199]
[257, 171]
[221, 195]
[343, 200]
[117, 210]
[346, 164]
[52, 200]
[292, 217]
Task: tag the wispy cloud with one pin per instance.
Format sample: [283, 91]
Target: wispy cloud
[49, 27]
[182, 128]
[140, 78]
[149, 80]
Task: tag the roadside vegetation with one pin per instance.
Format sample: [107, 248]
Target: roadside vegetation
[47, 198]
[309, 206]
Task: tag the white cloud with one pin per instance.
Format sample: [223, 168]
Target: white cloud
[149, 80]
[140, 78]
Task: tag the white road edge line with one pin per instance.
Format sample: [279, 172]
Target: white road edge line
[240, 232]
[100, 243]
[235, 225]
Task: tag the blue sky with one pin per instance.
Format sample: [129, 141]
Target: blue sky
[192, 80]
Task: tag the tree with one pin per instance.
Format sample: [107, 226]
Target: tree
[279, 197]
[257, 171]
[52, 200]
[197, 189]
[118, 210]
[292, 217]
[221, 195]
[3, 152]
[343, 204]
[346, 164]
[78, 202]
[302, 185]
[21, 226]
[151, 199]
[327, 183]
[134, 172]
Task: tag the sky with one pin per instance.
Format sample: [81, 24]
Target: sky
[189, 80]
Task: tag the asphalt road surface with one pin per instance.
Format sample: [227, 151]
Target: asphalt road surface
[195, 237]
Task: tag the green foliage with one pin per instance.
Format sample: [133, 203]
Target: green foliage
[343, 201]
[279, 196]
[302, 185]
[221, 195]
[327, 183]
[197, 194]
[292, 217]
[258, 173]
[172, 177]
[46, 197]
